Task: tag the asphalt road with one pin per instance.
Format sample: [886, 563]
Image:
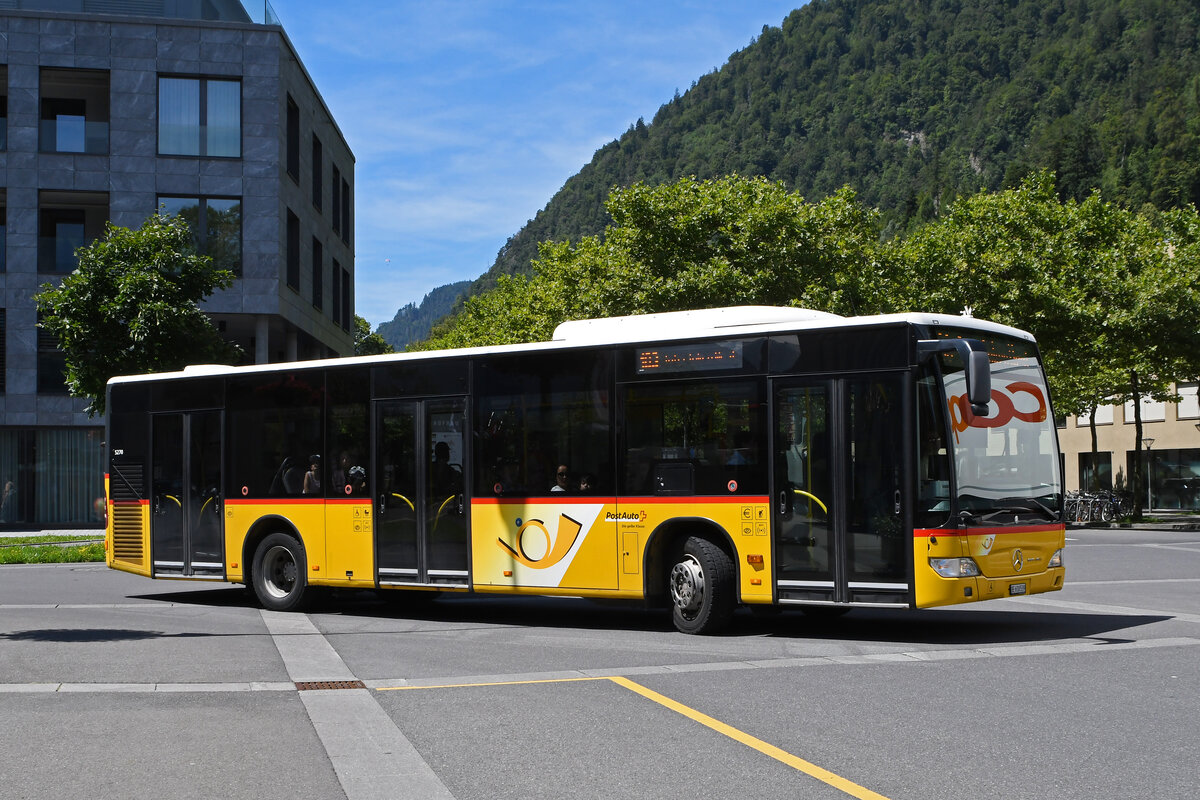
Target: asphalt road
[113, 686]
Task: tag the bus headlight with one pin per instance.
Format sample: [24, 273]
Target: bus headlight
[954, 567]
[1056, 559]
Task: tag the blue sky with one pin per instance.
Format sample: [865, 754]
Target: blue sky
[466, 117]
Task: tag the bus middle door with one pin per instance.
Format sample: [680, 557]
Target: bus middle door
[421, 524]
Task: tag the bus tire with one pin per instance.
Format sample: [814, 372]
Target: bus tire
[701, 583]
[279, 573]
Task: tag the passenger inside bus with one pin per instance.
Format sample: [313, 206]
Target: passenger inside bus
[562, 479]
[312, 478]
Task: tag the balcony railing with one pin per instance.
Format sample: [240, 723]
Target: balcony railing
[74, 135]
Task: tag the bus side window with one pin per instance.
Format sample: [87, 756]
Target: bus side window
[538, 413]
[348, 433]
[695, 437]
[275, 428]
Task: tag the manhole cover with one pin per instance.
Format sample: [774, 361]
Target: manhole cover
[307, 685]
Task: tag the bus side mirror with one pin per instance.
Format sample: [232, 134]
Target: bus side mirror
[979, 382]
[976, 363]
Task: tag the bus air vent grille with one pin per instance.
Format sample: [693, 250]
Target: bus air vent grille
[127, 533]
[127, 481]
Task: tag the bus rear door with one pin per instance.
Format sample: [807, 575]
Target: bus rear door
[838, 522]
[186, 524]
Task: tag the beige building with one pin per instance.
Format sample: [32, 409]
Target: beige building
[1170, 450]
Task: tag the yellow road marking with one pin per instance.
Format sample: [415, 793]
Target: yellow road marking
[795, 762]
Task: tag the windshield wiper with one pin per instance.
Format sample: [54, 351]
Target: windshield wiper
[1017, 505]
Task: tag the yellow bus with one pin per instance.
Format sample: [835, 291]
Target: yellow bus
[696, 460]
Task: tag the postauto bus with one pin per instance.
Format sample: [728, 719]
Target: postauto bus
[697, 460]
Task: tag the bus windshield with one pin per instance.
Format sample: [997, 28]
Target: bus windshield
[1006, 463]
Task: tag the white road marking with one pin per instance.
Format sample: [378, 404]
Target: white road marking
[371, 757]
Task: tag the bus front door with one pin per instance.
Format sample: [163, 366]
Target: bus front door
[837, 491]
[421, 525]
[186, 528]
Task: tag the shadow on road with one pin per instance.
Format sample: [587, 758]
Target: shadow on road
[88, 635]
[965, 626]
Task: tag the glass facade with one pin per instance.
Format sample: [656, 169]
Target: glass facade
[1172, 478]
[52, 477]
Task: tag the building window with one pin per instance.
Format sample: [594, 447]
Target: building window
[199, 117]
[66, 222]
[293, 139]
[293, 251]
[51, 363]
[317, 169]
[345, 211]
[3, 348]
[74, 111]
[3, 108]
[3, 230]
[318, 273]
[1152, 411]
[1189, 403]
[346, 304]
[335, 205]
[335, 283]
[1095, 473]
[216, 226]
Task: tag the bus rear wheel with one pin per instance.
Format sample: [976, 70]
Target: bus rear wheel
[278, 573]
[701, 585]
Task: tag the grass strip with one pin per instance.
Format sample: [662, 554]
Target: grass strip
[30, 550]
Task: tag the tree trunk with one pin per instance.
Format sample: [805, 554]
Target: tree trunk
[1137, 447]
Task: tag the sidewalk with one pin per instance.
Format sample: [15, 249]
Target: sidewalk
[50, 533]
[1162, 521]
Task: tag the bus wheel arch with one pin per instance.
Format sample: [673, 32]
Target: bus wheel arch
[690, 565]
[278, 565]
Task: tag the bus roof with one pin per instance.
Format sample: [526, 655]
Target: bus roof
[673, 325]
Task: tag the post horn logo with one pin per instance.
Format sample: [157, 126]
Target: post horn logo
[556, 548]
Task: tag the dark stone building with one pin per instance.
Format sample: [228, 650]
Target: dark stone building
[110, 109]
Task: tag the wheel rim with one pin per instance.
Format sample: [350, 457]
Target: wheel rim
[687, 586]
[279, 571]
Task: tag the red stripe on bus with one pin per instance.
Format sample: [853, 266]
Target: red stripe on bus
[924, 533]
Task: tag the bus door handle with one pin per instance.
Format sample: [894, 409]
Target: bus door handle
[784, 505]
[896, 498]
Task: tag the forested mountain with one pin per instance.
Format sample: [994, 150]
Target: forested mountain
[412, 323]
[914, 103]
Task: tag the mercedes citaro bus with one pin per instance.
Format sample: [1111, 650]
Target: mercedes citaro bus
[697, 460]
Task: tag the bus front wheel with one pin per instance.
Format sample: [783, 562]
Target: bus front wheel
[279, 573]
[702, 591]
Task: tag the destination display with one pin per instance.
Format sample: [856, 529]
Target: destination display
[691, 357]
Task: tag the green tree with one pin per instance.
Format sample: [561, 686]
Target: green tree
[686, 245]
[131, 308]
[367, 343]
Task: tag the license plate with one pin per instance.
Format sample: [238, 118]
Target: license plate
[1016, 588]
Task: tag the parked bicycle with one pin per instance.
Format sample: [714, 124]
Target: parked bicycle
[1102, 506]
